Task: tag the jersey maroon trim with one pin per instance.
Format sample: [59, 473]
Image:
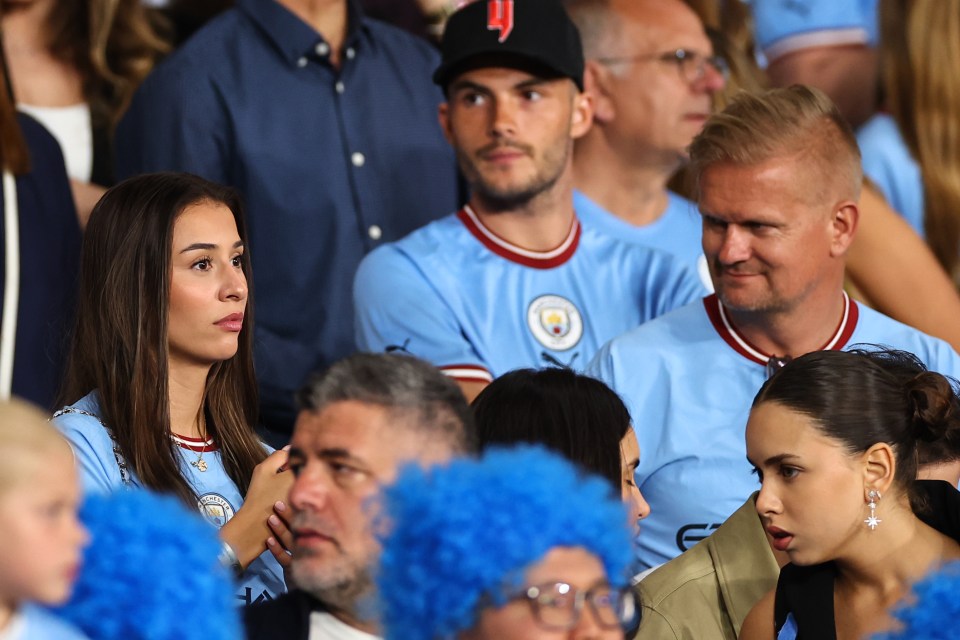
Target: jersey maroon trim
[197, 445]
[514, 253]
[841, 335]
[467, 372]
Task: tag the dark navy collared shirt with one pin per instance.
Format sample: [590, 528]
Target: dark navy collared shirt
[331, 163]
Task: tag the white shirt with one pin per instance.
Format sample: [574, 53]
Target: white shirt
[73, 130]
[15, 628]
[325, 626]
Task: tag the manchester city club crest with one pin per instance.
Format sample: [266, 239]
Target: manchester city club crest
[215, 508]
[555, 322]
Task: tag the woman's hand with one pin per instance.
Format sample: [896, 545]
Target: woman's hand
[247, 532]
[280, 543]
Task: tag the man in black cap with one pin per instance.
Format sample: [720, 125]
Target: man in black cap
[511, 280]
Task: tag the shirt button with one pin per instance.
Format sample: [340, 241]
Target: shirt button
[322, 49]
[339, 87]
[357, 159]
[374, 232]
[350, 53]
[302, 62]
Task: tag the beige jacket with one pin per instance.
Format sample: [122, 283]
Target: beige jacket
[706, 592]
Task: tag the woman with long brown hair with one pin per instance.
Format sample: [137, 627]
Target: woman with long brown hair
[74, 65]
[912, 150]
[160, 371]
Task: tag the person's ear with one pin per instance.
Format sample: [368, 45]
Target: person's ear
[443, 115]
[596, 82]
[581, 117]
[843, 226]
[879, 467]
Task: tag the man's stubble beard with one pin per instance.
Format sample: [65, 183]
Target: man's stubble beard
[339, 587]
[500, 200]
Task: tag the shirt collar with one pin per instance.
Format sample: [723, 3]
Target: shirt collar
[291, 36]
[514, 253]
[720, 319]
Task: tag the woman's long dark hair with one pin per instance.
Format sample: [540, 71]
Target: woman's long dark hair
[575, 415]
[14, 155]
[119, 343]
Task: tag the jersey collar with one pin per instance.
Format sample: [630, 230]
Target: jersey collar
[514, 253]
[721, 322]
[197, 445]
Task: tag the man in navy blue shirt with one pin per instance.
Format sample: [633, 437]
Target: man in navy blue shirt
[326, 122]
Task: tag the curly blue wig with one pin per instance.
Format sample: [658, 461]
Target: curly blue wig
[454, 534]
[151, 573]
[935, 613]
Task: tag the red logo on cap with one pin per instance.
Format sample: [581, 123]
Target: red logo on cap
[500, 16]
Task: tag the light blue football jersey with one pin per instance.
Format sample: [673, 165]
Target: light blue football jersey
[459, 296]
[888, 162]
[218, 498]
[32, 622]
[782, 26]
[689, 379]
[677, 231]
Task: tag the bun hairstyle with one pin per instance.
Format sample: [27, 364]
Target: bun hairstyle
[874, 394]
[936, 415]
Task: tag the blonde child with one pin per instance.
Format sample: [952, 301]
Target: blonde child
[42, 536]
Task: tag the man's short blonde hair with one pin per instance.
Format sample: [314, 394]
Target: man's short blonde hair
[799, 123]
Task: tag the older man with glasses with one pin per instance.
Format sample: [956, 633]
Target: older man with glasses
[651, 73]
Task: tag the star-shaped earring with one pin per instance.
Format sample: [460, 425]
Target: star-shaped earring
[872, 520]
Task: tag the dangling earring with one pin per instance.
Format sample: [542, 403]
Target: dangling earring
[872, 521]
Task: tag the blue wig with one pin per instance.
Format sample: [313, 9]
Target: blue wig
[151, 573]
[454, 534]
[936, 611]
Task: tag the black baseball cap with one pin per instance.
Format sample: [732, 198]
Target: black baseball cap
[530, 34]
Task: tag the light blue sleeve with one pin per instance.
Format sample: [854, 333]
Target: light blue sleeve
[943, 359]
[601, 366]
[40, 624]
[888, 162]
[93, 449]
[616, 364]
[399, 308]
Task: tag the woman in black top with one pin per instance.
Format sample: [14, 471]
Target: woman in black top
[833, 437]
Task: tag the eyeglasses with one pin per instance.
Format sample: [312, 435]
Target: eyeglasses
[558, 606]
[691, 66]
